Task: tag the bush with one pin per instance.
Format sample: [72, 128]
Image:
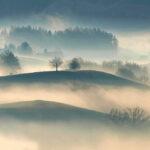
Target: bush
[75, 64]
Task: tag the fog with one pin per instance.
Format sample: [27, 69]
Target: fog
[70, 136]
[94, 97]
[131, 44]
[120, 14]
[128, 69]
[33, 32]
[131, 29]
[74, 134]
[14, 142]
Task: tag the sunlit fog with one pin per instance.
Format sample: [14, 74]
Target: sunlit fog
[74, 75]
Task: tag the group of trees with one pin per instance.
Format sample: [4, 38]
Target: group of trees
[128, 70]
[10, 63]
[74, 64]
[24, 48]
[129, 116]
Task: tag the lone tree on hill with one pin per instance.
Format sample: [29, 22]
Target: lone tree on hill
[56, 62]
[74, 64]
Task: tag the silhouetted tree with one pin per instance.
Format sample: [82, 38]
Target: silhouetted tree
[74, 64]
[9, 62]
[25, 48]
[56, 62]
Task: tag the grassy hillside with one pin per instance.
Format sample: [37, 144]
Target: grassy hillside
[49, 111]
[94, 77]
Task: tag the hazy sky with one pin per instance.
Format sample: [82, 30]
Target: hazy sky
[127, 20]
[95, 30]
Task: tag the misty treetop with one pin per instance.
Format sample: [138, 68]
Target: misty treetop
[75, 64]
[128, 70]
[9, 62]
[71, 38]
[24, 48]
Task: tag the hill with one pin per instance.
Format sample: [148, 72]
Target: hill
[94, 77]
[48, 111]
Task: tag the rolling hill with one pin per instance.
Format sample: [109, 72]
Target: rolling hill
[94, 77]
[48, 111]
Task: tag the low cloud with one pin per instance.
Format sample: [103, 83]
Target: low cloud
[100, 98]
[128, 70]
[113, 14]
[69, 136]
[14, 142]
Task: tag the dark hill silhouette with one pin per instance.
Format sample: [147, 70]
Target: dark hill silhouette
[94, 77]
[48, 111]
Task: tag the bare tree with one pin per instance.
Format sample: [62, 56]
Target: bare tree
[129, 115]
[74, 64]
[56, 62]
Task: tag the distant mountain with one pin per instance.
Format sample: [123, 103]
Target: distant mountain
[48, 111]
[94, 77]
